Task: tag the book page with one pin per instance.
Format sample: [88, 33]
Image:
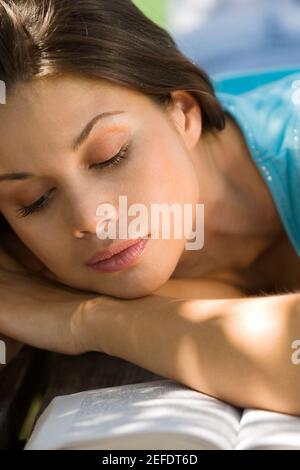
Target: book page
[268, 430]
[162, 414]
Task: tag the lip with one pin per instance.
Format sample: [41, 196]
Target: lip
[114, 250]
[123, 259]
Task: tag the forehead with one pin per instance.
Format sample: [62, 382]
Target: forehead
[66, 93]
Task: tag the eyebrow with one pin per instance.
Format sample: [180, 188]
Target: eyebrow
[83, 136]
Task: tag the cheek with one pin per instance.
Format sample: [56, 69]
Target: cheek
[168, 175]
[165, 176]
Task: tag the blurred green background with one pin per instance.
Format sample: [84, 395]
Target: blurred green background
[154, 9]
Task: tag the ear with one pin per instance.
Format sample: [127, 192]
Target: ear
[185, 114]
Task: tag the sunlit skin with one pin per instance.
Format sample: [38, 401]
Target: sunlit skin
[169, 160]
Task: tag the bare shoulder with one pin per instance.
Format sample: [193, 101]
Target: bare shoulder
[200, 288]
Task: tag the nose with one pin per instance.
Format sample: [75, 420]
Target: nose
[80, 233]
[86, 227]
[89, 222]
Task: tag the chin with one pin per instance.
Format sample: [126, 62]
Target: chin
[132, 293]
[127, 291]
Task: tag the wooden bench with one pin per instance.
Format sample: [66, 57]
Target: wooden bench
[34, 372]
[19, 380]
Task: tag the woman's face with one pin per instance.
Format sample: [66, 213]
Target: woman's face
[38, 127]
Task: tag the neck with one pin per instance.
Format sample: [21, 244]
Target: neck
[241, 220]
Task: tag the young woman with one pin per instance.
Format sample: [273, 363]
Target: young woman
[101, 103]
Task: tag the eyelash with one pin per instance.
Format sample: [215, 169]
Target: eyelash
[43, 201]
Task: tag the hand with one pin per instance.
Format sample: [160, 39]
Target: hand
[37, 310]
[41, 313]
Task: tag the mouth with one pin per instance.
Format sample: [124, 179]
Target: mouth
[119, 257]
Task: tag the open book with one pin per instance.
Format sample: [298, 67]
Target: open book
[161, 414]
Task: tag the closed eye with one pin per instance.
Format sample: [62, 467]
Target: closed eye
[112, 161]
[43, 201]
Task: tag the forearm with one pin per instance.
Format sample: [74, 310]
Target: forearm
[238, 350]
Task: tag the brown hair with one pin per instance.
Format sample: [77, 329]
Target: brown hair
[111, 39]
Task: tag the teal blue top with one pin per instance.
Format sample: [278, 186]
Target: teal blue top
[266, 106]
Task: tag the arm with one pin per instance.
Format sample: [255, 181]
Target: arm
[40, 313]
[235, 349]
